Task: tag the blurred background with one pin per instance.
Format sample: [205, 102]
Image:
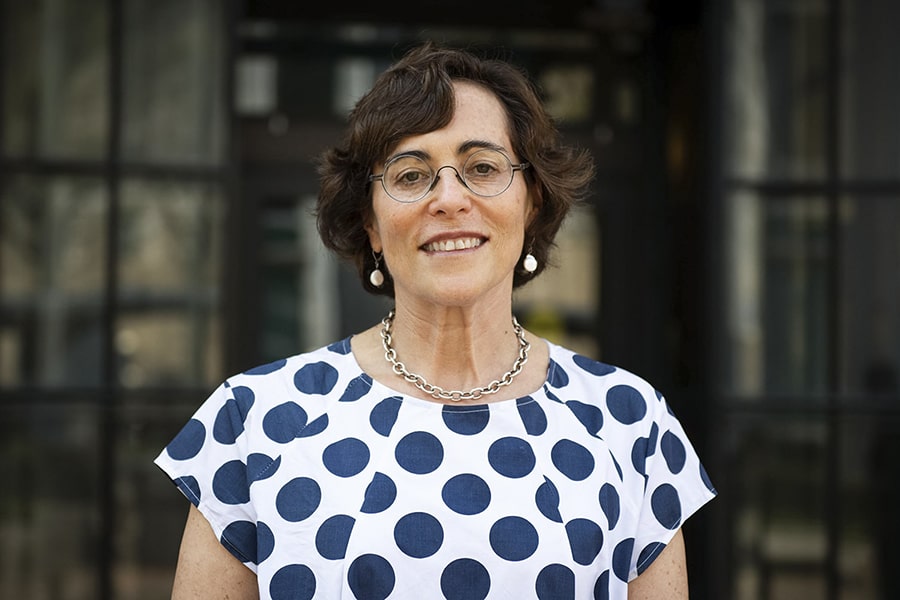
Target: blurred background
[740, 250]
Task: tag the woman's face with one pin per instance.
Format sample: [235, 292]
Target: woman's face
[454, 247]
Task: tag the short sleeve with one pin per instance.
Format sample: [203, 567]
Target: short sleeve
[207, 460]
[676, 484]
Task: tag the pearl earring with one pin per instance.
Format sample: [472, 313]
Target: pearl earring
[530, 263]
[376, 277]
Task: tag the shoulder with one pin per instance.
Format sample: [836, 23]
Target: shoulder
[315, 372]
[568, 369]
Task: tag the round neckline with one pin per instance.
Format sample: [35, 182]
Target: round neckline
[405, 397]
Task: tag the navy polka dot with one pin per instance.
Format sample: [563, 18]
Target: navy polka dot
[648, 555]
[230, 483]
[293, 582]
[466, 494]
[189, 441]
[626, 404]
[589, 415]
[465, 420]
[357, 388]
[513, 538]
[341, 347]
[555, 582]
[347, 457]
[609, 502]
[190, 488]
[585, 540]
[511, 457]
[547, 500]
[621, 562]
[556, 376]
[465, 579]
[298, 499]
[260, 466]
[601, 588]
[268, 368]
[418, 535]
[284, 422]
[616, 465]
[533, 416]
[380, 494]
[239, 538]
[229, 423]
[673, 451]
[384, 415]
[592, 366]
[419, 452]
[572, 459]
[314, 427]
[370, 577]
[666, 506]
[316, 378]
[265, 541]
[642, 449]
[333, 536]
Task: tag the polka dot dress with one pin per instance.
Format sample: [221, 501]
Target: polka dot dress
[330, 485]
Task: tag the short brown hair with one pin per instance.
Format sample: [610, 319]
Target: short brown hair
[415, 96]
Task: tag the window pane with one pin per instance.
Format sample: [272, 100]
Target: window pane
[55, 79]
[169, 274]
[774, 487]
[870, 87]
[868, 554]
[150, 510]
[775, 99]
[52, 257]
[49, 522]
[777, 307]
[870, 280]
[173, 78]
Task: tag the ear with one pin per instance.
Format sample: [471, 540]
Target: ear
[371, 228]
[535, 202]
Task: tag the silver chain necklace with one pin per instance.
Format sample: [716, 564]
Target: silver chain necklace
[454, 395]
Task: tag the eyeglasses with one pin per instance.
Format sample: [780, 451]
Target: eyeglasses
[486, 173]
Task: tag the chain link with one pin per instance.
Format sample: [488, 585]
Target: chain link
[436, 391]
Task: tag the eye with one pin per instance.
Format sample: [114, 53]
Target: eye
[408, 172]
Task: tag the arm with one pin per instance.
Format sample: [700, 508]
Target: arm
[666, 577]
[206, 569]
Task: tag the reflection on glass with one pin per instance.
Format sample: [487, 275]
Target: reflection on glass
[49, 520]
[52, 256]
[775, 102]
[870, 89]
[795, 295]
[777, 495]
[870, 277]
[170, 267]
[173, 82]
[55, 79]
[870, 495]
[778, 302]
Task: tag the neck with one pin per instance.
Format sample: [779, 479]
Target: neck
[457, 349]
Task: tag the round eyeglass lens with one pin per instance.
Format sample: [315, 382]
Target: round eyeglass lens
[486, 173]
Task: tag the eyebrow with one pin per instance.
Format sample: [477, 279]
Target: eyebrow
[463, 148]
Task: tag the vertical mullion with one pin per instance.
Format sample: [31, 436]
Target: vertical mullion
[833, 503]
[110, 396]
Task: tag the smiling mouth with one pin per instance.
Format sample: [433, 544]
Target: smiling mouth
[451, 245]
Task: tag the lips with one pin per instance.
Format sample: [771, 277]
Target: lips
[464, 243]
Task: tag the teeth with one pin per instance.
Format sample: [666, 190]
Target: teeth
[448, 245]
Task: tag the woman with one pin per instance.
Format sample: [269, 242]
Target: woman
[446, 452]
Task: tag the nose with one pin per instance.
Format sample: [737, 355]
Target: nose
[450, 196]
